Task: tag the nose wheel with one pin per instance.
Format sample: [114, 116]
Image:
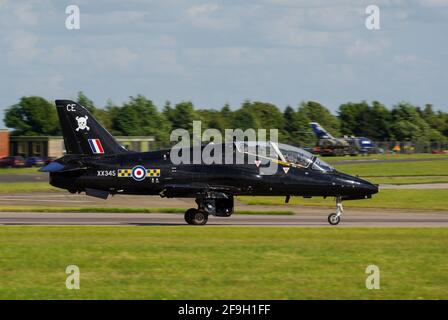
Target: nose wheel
[196, 217]
[335, 218]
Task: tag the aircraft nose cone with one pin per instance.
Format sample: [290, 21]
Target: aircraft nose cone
[357, 185]
[370, 188]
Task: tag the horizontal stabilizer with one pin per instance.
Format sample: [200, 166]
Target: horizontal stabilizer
[59, 167]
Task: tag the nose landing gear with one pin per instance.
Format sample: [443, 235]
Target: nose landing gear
[335, 218]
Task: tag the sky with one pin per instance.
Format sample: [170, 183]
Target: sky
[218, 52]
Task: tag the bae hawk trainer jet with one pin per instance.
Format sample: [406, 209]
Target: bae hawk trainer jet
[95, 163]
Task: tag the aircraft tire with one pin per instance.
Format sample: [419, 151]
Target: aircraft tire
[200, 218]
[334, 219]
[196, 217]
[189, 215]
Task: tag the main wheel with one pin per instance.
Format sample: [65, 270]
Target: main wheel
[196, 217]
[334, 219]
[188, 215]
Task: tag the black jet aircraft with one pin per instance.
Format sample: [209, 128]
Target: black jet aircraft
[95, 163]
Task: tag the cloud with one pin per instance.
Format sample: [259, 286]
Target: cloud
[202, 15]
[122, 57]
[320, 25]
[126, 20]
[217, 57]
[163, 62]
[23, 46]
[214, 51]
[25, 14]
[111, 59]
[202, 10]
[211, 15]
[410, 59]
[367, 49]
[290, 29]
[433, 3]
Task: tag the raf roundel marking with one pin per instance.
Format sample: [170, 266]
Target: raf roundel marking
[138, 173]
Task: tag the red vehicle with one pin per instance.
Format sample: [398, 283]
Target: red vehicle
[12, 161]
[49, 160]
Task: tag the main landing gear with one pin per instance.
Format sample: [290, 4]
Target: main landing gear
[196, 217]
[210, 203]
[335, 218]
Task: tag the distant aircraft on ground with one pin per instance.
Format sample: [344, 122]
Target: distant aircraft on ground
[327, 145]
[95, 163]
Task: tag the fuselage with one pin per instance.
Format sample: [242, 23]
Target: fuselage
[153, 173]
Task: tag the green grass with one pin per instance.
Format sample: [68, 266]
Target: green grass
[124, 210]
[387, 157]
[19, 171]
[24, 187]
[436, 199]
[390, 169]
[222, 262]
[409, 180]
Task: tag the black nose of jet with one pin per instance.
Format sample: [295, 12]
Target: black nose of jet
[369, 188]
[354, 185]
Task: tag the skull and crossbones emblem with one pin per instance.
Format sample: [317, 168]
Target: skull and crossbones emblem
[82, 123]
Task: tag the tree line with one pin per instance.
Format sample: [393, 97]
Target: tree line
[139, 116]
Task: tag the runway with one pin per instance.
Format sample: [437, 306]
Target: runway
[307, 216]
[318, 218]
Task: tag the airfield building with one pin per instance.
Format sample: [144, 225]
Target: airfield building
[53, 146]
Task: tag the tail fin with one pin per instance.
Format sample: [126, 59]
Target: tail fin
[82, 133]
[320, 132]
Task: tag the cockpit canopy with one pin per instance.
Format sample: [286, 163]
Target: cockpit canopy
[280, 152]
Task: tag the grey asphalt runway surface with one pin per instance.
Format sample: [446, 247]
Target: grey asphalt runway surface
[353, 218]
[25, 177]
[303, 215]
